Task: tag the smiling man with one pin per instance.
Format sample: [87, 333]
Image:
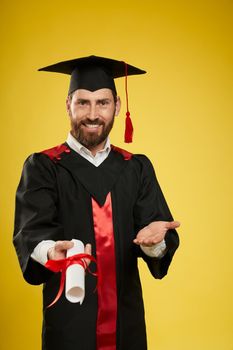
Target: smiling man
[106, 197]
[92, 116]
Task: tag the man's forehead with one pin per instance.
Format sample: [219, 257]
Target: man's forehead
[97, 94]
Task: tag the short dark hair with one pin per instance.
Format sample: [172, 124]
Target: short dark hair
[114, 94]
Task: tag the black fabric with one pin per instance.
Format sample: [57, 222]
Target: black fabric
[93, 72]
[54, 202]
[92, 79]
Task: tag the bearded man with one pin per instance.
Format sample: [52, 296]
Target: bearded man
[106, 197]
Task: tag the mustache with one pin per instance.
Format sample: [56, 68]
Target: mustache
[96, 121]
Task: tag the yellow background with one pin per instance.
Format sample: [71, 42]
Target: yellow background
[182, 113]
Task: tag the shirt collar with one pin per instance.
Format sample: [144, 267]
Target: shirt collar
[79, 148]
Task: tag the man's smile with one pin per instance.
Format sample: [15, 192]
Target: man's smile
[92, 127]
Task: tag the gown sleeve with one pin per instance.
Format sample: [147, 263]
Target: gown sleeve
[151, 206]
[36, 217]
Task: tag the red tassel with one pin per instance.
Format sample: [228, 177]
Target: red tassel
[128, 128]
[128, 121]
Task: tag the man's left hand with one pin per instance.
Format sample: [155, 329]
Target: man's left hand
[154, 233]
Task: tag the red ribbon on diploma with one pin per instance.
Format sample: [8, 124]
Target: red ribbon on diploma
[62, 265]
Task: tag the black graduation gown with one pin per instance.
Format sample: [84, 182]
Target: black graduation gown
[53, 202]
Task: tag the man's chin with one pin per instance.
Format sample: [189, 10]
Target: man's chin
[90, 141]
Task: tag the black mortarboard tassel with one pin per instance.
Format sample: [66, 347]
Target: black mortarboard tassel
[93, 73]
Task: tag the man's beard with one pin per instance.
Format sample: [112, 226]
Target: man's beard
[90, 140]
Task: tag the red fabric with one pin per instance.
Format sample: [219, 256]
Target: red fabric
[127, 155]
[55, 152]
[128, 121]
[62, 265]
[106, 269]
[128, 128]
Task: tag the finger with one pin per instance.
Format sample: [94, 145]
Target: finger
[54, 254]
[136, 241]
[152, 237]
[146, 241]
[172, 225]
[87, 250]
[60, 246]
[151, 244]
[146, 244]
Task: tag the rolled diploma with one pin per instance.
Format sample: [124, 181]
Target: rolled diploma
[75, 275]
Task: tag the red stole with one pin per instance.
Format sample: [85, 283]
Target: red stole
[106, 264]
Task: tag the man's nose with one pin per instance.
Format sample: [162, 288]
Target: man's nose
[93, 113]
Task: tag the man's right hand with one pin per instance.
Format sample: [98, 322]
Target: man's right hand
[60, 248]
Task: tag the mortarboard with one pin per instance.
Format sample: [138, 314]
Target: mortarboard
[93, 73]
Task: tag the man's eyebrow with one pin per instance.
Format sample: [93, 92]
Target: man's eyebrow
[98, 100]
[82, 100]
[104, 99]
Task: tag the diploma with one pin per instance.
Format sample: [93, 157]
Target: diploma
[75, 275]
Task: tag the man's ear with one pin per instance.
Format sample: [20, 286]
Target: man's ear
[118, 106]
[68, 102]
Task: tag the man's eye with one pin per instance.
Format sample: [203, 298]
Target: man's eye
[104, 102]
[82, 103]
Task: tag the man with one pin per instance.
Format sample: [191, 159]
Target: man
[104, 196]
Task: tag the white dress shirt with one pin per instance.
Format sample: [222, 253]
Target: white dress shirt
[40, 253]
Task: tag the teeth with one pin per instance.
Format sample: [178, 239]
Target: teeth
[92, 125]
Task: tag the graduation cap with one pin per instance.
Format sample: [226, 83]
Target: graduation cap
[93, 73]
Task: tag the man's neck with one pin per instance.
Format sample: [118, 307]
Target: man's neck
[97, 148]
[93, 149]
